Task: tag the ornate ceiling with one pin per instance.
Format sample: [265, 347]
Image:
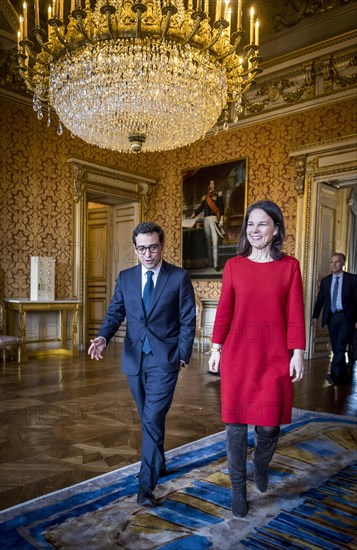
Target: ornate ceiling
[286, 23]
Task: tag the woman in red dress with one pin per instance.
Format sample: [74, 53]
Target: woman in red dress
[258, 344]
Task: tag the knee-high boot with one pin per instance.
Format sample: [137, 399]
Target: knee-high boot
[263, 453]
[237, 465]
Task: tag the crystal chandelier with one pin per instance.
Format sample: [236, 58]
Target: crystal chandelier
[151, 74]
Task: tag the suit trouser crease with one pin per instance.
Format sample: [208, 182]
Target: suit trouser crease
[340, 334]
[153, 391]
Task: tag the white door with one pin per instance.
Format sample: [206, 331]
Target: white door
[109, 250]
[325, 242]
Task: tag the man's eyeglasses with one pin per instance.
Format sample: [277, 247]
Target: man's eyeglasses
[152, 248]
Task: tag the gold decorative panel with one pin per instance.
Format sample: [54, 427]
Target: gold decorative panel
[37, 183]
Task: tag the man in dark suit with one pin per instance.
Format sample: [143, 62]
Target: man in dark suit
[157, 300]
[338, 298]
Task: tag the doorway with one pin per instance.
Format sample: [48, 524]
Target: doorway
[333, 233]
[326, 222]
[109, 250]
[108, 203]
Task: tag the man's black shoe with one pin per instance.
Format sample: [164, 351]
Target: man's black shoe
[330, 379]
[146, 498]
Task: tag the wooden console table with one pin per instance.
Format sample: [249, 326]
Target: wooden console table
[23, 306]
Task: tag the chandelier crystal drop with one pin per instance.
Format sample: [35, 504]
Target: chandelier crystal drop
[128, 75]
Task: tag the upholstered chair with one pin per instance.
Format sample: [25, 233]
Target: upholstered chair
[7, 342]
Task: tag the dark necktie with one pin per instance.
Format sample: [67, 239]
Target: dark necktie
[147, 297]
[334, 296]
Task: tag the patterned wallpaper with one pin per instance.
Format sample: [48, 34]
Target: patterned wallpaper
[37, 190]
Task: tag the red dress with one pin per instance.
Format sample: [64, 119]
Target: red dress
[259, 319]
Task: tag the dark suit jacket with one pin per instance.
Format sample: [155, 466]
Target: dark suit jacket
[349, 298]
[169, 326]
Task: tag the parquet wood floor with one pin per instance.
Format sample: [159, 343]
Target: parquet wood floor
[66, 420]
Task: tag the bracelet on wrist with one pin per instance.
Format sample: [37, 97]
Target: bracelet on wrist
[216, 349]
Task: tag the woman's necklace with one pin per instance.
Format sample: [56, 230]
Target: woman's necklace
[259, 258]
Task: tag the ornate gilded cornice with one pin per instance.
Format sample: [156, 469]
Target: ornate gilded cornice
[9, 15]
[300, 175]
[326, 145]
[89, 176]
[339, 42]
[309, 159]
[120, 193]
[78, 182]
[322, 72]
[295, 10]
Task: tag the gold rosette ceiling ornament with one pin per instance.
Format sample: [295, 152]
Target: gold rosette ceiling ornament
[150, 74]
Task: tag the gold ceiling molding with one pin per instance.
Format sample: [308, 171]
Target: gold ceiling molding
[10, 19]
[319, 78]
[320, 74]
[341, 42]
[306, 80]
[295, 10]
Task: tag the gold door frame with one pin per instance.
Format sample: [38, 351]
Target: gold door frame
[319, 163]
[95, 180]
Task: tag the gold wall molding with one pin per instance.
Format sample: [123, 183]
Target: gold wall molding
[300, 173]
[78, 182]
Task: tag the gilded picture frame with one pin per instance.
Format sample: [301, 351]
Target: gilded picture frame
[214, 202]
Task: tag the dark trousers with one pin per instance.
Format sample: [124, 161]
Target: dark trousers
[352, 351]
[340, 335]
[153, 391]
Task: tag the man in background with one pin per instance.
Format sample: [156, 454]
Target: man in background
[158, 302]
[338, 299]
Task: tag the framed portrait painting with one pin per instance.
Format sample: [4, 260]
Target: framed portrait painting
[214, 202]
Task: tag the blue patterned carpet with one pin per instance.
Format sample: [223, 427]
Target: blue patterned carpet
[310, 504]
[326, 518]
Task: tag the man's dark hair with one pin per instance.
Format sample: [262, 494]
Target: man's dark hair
[244, 248]
[147, 228]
